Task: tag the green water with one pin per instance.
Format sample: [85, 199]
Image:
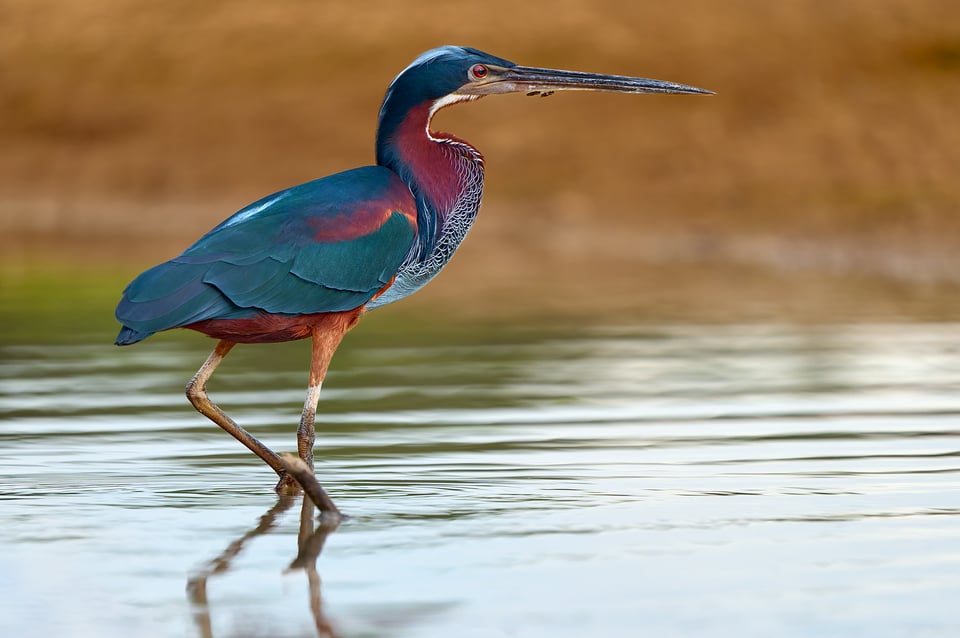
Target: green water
[609, 480]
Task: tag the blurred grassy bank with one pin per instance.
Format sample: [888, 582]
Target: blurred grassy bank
[829, 153]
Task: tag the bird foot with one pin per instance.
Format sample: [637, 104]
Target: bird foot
[287, 486]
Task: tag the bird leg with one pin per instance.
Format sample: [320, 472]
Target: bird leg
[325, 342]
[305, 431]
[197, 394]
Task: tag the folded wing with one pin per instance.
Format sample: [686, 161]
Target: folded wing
[324, 246]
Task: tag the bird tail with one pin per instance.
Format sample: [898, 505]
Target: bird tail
[167, 296]
[130, 336]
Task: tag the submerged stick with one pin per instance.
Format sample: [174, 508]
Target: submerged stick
[311, 487]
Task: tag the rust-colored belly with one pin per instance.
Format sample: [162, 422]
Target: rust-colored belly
[270, 328]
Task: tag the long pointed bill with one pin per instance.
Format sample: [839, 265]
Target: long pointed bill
[532, 80]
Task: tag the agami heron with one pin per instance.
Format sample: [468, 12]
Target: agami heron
[308, 261]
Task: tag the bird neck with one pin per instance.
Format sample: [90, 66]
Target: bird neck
[445, 175]
[444, 172]
[436, 166]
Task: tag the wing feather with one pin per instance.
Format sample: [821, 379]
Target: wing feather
[324, 246]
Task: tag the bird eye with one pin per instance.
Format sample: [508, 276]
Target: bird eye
[478, 72]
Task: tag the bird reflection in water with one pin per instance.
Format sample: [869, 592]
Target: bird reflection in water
[311, 538]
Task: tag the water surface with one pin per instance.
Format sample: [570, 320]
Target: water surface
[615, 481]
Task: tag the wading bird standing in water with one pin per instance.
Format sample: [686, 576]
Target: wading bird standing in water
[308, 261]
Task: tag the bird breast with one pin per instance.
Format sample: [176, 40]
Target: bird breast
[446, 213]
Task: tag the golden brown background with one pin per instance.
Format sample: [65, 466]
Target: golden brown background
[820, 181]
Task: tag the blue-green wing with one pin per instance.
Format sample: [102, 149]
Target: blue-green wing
[324, 246]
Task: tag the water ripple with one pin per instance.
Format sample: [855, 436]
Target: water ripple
[609, 476]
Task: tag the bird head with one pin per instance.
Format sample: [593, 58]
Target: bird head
[451, 74]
